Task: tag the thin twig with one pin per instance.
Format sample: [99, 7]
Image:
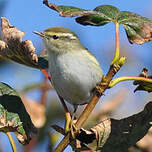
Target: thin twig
[67, 114]
[128, 78]
[58, 129]
[11, 141]
[44, 92]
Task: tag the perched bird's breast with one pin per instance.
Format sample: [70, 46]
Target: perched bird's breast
[74, 75]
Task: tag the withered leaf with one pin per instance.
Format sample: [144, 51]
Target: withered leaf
[13, 48]
[95, 137]
[138, 28]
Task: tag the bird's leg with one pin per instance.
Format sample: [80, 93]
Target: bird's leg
[72, 125]
[67, 115]
[74, 112]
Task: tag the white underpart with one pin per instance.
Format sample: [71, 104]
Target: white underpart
[74, 76]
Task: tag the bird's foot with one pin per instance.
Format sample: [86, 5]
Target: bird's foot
[73, 129]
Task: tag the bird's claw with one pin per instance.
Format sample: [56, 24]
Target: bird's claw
[73, 129]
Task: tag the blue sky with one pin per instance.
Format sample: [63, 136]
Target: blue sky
[31, 15]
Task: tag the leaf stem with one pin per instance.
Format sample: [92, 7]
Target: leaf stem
[117, 48]
[127, 78]
[11, 141]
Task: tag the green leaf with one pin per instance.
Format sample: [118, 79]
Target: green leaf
[101, 15]
[13, 115]
[143, 86]
[70, 11]
[138, 28]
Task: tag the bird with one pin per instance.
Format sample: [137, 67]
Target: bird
[74, 70]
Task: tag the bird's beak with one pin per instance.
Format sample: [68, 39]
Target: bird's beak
[39, 33]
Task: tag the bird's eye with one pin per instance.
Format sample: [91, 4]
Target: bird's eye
[55, 37]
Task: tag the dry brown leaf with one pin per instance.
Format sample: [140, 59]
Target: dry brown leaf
[13, 48]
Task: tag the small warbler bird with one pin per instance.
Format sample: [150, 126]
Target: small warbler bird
[74, 70]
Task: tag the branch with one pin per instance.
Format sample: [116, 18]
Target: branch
[83, 133]
[120, 79]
